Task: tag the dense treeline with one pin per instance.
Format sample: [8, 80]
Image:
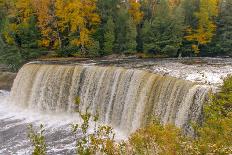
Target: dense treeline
[102, 27]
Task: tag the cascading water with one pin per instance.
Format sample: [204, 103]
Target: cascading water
[124, 98]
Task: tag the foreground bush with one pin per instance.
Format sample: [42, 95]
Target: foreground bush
[157, 139]
[37, 140]
[215, 135]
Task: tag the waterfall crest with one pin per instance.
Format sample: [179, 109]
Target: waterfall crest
[124, 98]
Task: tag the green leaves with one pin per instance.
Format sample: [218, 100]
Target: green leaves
[37, 140]
[163, 34]
[215, 135]
[109, 36]
[101, 140]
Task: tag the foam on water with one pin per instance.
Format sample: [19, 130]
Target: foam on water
[14, 121]
[126, 99]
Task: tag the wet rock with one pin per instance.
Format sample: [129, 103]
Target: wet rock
[6, 80]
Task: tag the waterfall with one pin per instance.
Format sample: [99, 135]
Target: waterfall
[124, 98]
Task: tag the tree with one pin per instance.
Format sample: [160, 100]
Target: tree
[149, 8]
[18, 21]
[135, 11]
[206, 27]
[46, 21]
[121, 24]
[80, 18]
[3, 12]
[106, 9]
[222, 41]
[109, 36]
[131, 36]
[163, 35]
[93, 48]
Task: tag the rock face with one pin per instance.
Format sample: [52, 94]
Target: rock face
[6, 80]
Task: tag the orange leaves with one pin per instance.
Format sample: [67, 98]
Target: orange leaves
[135, 11]
[173, 3]
[41, 8]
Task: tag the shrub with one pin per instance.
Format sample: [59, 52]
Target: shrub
[157, 139]
[68, 51]
[37, 140]
[215, 135]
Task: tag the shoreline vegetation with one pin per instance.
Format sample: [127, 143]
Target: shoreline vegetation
[30, 29]
[213, 136]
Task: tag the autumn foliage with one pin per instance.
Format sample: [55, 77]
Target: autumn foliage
[206, 27]
[94, 28]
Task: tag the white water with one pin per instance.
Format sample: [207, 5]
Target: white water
[124, 98]
[14, 122]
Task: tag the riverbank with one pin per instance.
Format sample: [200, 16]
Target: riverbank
[6, 78]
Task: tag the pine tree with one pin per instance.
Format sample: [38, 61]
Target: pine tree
[109, 36]
[163, 34]
[121, 19]
[222, 42]
[131, 36]
[93, 48]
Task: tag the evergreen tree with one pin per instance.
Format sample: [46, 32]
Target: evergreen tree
[29, 35]
[121, 19]
[93, 49]
[225, 29]
[131, 36]
[222, 42]
[163, 34]
[147, 36]
[109, 36]
[106, 9]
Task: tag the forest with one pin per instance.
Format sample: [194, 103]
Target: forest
[96, 28]
[189, 112]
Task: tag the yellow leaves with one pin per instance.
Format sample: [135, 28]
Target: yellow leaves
[23, 10]
[135, 11]
[206, 28]
[195, 48]
[56, 20]
[19, 13]
[44, 42]
[156, 139]
[79, 17]
[45, 21]
[8, 38]
[41, 8]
